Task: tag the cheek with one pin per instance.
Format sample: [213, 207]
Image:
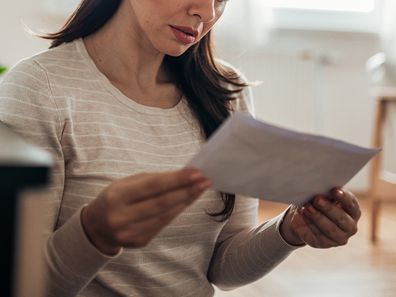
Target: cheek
[147, 13]
[206, 29]
[208, 26]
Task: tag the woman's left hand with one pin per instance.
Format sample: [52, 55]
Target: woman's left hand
[323, 222]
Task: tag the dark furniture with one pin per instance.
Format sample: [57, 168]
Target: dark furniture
[22, 166]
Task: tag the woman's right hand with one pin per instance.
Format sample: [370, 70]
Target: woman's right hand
[132, 211]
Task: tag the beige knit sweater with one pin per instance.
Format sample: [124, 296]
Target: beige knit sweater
[60, 101]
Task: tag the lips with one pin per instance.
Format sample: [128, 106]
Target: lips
[185, 35]
[187, 30]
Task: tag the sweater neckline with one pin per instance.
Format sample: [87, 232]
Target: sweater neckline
[180, 106]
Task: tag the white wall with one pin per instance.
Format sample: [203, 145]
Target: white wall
[15, 42]
[313, 82]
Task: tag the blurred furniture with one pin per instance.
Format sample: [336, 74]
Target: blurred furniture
[382, 187]
[22, 167]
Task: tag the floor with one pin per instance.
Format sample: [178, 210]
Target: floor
[358, 269]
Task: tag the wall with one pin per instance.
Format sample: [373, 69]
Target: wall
[15, 42]
[313, 82]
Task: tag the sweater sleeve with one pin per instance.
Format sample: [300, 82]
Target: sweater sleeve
[29, 109]
[246, 251]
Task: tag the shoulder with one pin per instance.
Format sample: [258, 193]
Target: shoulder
[33, 71]
[60, 59]
[26, 93]
[52, 63]
[23, 79]
[244, 100]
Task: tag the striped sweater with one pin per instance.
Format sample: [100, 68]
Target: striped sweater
[59, 101]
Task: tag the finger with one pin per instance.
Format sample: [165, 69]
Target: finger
[319, 240]
[300, 226]
[336, 214]
[157, 205]
[158, 183]
[167, 219]
[311, 235]
[325, 225]
[348, 201]
[139, 234]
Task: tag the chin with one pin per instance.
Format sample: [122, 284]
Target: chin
[173, 49]
[175, 52]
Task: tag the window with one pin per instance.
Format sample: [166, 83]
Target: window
[326, 5]
[328, 15]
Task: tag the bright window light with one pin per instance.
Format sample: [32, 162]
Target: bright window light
[330, 5]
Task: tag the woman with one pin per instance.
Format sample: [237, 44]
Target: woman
[126, 96]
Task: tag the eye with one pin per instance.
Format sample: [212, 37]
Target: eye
[220, 5]
[222, 2]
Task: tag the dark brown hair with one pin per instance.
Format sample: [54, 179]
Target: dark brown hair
[196, 73]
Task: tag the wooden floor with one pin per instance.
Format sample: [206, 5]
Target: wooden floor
[358, 269]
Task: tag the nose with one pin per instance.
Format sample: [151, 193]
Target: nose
[204, 9]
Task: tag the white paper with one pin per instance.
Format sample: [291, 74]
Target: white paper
[251, 158]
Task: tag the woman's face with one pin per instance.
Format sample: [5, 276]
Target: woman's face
[172, 26]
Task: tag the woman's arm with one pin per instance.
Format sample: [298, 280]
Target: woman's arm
[27, 107]
[129, 212]
[246, 251]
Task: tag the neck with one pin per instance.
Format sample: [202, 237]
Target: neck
[123, 55]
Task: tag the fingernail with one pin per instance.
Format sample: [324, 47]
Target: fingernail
[205, 185]
[321, 202]
[310, 209]
[338, 193]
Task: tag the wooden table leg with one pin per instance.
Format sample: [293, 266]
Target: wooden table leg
[375, 202]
